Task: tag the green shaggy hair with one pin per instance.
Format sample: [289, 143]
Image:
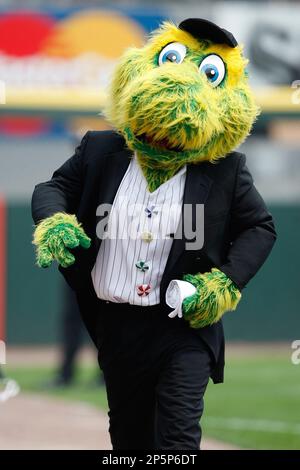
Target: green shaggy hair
[54, 235]
[215, 295]
[170, 114]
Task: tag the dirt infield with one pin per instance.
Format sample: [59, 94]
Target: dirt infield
[42, 355]
[32, 422]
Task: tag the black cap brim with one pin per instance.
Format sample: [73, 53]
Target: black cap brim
[204, 29]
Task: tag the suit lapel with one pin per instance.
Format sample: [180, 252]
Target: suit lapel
[114, 169]
[197, 187]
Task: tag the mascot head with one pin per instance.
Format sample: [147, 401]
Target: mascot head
[182, 98]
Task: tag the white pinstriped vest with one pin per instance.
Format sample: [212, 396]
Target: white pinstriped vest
[131, 261]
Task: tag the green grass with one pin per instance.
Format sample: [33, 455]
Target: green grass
[257, 407]
[263, 394]
[36, 379]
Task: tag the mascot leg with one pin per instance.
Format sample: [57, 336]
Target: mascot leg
[156, 371]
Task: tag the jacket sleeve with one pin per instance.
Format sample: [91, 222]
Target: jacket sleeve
[252, 230]
[63, 192]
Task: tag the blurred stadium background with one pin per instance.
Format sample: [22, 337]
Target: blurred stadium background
[55, 62]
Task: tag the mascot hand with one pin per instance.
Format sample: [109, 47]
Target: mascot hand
[54, 235]
[215, 294]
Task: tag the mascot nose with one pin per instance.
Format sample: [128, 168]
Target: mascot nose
[183, 75]
[183, 83]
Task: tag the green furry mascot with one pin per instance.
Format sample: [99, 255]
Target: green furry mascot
[179, 106]
[171, 111]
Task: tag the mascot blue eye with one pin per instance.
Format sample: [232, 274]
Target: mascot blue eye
[172, 53]
[211, 72]
[214, 69]
[171, 56]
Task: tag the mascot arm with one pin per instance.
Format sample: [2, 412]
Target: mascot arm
[53, 205]
[252, 231]
[253, 235]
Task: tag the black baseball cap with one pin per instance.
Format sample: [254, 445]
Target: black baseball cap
[204, 29]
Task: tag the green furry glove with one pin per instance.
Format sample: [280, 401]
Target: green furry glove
[54, 235]
[215, 295]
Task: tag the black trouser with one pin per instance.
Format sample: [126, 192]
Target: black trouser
[73, 330]
[156, 371]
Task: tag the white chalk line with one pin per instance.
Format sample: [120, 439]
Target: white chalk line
[260, 425]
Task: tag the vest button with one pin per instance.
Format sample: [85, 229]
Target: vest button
[147, 237]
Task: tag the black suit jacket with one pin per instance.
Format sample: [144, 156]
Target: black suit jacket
[238, 229]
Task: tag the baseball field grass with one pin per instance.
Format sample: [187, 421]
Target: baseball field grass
[256, 408]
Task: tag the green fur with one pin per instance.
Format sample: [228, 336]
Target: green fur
[157, 176]
[170, 114]
[215, 295]
[54, 235]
